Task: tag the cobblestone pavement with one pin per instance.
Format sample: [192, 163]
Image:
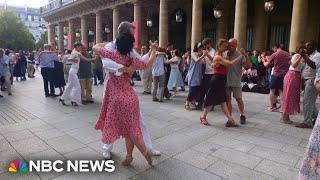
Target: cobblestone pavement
[35, 127]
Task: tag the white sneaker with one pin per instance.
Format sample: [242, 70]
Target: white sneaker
[106, 155]
[155, 152]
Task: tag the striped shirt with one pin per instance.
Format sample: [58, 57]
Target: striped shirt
[47, 58]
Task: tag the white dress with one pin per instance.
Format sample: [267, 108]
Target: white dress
[73, 88]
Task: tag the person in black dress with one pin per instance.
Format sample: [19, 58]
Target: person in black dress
[20, 67]
[59, 74]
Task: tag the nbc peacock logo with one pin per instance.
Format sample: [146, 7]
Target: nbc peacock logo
[18, 166]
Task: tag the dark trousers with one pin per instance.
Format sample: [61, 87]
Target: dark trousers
[193, 93]
[205, 84]
[98, 74]
[48, 80]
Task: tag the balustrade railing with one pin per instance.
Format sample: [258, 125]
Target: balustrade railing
[55, 5]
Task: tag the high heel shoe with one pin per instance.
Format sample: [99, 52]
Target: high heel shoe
[74, 104]
[62, 102]
[148, 157]
[127, 161]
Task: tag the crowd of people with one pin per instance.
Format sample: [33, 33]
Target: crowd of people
[15, 65]
[213, 75]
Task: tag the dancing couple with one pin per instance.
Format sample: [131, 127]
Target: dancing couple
[120, 112]
[216, 94]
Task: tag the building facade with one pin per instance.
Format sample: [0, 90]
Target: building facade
[31, 18]
[185, 22]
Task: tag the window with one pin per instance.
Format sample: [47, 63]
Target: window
[210, 33]
[29, 18]
[280, 34]
[250, 38]
[23, 16]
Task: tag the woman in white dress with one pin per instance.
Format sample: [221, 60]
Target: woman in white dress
[73, 88]
[175, 79]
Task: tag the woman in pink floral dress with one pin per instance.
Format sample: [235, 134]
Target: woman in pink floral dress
[119, 114]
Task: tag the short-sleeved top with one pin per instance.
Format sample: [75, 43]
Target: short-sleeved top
[235, 71]
[308, 72]
[300, 66]
[281, 62]
[85, 68]
[75, 55]
[175, 62]
[158, 65]
[254, 60]
[209, 69]
[4, 66]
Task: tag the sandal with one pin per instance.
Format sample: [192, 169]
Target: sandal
[231, 124]
[127, 161]
[285, 121]
[204, 121]
[187, 107]
[148, 157]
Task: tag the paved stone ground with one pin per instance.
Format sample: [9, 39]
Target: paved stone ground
[35, 127]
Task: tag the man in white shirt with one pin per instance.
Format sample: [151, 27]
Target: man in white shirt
[207, 43]
[312, 59]
[118, 69]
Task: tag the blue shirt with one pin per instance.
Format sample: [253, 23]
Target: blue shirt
[158, 65]
[46, 59]
[4, 66]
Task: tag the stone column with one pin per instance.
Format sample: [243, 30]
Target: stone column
[313, 21]
[222, 22]
[188, 27]
[240, 23]
[116, 21]
[51, 33]
[84, 30]
[163, 24]
[260, 27]
[137, 7]
[298, 23]
[60, 38]
[196, 32]
[99, 29]
[72, 34]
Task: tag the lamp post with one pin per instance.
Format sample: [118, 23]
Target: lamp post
[217, 13]
[149, 23]
[179, 16]
[268, 7]
[106, 29]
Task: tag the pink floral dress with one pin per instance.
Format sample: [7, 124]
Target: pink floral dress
[119, 114]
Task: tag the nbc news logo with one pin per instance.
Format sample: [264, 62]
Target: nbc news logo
[20, 166]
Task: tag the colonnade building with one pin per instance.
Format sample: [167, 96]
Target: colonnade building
[257, 24]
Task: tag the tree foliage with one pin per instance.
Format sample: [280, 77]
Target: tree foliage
[13, 32]
[42, 41]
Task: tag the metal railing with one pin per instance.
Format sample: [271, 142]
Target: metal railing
[55, 5]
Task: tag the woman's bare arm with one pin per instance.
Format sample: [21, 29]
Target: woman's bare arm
[295, 64]
[196, 58]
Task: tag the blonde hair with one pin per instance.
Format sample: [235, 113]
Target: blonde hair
[220, 42]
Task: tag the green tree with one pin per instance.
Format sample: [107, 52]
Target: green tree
[42, 41]
[13, 32]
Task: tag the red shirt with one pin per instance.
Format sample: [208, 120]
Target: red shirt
[281, 62]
